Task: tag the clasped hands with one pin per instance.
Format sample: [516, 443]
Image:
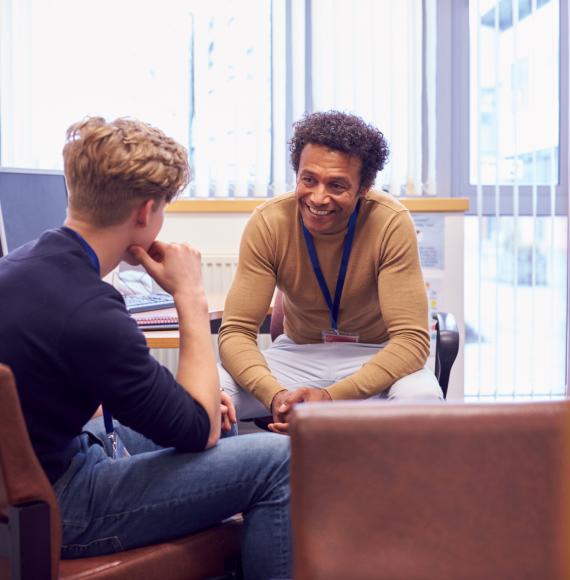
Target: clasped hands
[284, 401]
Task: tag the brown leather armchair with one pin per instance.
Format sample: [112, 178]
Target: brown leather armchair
[449, 492]
[30, 526]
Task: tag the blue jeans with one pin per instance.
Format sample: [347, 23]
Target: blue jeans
[158, 494]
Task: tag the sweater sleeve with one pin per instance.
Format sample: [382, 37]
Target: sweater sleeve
[109, 358]
[245, 309]
[404, 309]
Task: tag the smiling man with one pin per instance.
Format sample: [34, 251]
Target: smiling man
[346, 259]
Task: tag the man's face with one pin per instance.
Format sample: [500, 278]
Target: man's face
[328, 184]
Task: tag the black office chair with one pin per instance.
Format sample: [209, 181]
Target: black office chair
[446, 347]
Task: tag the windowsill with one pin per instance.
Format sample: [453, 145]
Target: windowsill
[414, 204]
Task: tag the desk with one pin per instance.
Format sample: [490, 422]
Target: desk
[171, 338]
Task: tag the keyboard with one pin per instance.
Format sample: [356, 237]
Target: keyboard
[144, 302]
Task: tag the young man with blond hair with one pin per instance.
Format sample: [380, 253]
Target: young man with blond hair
[72, 346]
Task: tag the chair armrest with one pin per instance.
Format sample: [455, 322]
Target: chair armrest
[446, 347]
[216, 322]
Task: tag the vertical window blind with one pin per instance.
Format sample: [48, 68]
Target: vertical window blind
[61, 60]
[367, 59]
[225, 78]
[516, 244]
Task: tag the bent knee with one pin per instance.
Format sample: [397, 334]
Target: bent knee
[419, 385]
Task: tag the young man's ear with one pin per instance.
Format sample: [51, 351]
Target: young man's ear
[143, 212]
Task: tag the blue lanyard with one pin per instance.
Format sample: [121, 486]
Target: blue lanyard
[107, 417]
[347, 247]
[88, 249]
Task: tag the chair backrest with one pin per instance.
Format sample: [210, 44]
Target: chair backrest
[277, 316]
[392, 492]
[446, 347]
[22, 479]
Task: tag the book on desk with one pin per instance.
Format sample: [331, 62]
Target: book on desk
[167, 318]
[164, 319]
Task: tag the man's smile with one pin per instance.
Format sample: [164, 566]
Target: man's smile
[319, 212]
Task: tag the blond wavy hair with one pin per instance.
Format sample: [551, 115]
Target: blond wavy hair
[110, 167]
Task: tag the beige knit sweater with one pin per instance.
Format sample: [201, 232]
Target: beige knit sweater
[384, 296]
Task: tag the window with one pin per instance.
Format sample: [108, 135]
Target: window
[65, 59]
[515, 173]
[515, 307]
[230, 112]
[225, 78]
[514, 92]
[375, 71]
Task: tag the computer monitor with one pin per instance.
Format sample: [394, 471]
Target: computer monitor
[30, 204]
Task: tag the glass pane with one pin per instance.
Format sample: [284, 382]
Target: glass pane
[514, 92]
[231, 100]
[375, 73]
[515, 307]
[66, 59]
[198, 70]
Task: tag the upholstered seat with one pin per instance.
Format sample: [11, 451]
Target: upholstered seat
[30, 527]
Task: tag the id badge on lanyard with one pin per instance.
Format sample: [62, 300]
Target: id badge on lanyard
[118, 449]
[338, 336]
[334, 334]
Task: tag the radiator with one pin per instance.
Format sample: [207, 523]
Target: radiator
[218, 272]
[167, 357]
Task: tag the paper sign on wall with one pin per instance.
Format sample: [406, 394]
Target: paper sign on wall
[430, 231]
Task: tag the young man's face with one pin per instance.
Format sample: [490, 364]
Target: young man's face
[328, 184]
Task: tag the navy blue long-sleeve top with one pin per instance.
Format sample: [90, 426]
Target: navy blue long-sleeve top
[72, 345]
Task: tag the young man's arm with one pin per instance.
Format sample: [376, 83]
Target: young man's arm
[177, 269]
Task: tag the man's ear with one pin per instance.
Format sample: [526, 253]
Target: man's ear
[143, 213]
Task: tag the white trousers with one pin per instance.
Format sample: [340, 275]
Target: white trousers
[321, 365]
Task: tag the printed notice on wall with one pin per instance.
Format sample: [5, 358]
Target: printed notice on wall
[430, 231]
[434, 288]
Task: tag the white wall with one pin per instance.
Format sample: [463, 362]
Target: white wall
[211, 233]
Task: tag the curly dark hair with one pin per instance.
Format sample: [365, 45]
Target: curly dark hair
[342, 132]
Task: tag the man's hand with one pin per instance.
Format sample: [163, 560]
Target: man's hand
[228, 410]
[277, 403]
[284, 401]
[175, 267]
